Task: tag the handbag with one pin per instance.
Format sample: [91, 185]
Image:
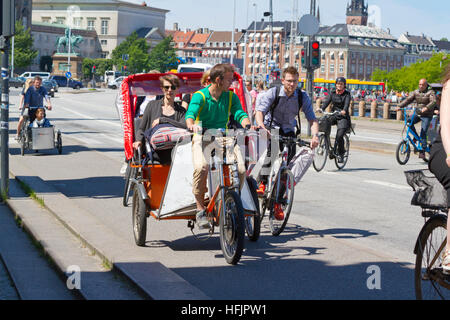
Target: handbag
[165, 136]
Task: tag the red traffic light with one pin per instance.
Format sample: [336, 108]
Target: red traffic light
[315, 45]
[303, 52]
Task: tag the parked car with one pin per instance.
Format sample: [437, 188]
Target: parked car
[55, 84]
[114, 84]
[63, 82]
[16, 82]
[32, 74]
[48, 85]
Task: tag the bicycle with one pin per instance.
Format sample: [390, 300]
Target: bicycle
[430, 280]
[279, 193]
[403, 151]
[325, 149]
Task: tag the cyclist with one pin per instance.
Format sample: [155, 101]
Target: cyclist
[426, 101]
[340, 97]
[212, 106]
[34, 98]
[279, 112]
[440, 157]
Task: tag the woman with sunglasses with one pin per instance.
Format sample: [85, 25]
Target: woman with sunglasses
[163, 111]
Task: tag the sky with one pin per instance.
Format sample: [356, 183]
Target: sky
[415, 16]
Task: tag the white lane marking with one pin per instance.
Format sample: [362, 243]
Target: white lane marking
[114, 123]
[388, 184]
[377, 139]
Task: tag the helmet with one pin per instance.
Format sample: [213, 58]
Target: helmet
[341, 79]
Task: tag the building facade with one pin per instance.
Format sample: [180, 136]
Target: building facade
[112, 20]
[417, 47]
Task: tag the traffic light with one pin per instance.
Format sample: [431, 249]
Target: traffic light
[315, 54]
[303, 58]
[94, 69]
[7, 18]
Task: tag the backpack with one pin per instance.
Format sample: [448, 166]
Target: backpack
[277, 100]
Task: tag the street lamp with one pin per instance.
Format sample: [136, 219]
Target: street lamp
[254, 43]
[232, 32]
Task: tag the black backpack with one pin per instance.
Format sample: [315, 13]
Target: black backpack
[277, 100]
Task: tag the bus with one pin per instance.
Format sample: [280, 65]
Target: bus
[351, 84]
[194, 67]
[110, 75]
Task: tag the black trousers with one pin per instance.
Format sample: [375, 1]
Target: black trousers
[343, 124]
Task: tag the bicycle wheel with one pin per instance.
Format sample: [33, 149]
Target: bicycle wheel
[281, 205]
[321, 153]
[253, 222]
[341, 166]
[232, 228]
[59, 142]
[403, 152]
[130, 173]
[430, 281]
[139, 217]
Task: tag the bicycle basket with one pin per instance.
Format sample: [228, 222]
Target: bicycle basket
[429, 192]
[324, 124]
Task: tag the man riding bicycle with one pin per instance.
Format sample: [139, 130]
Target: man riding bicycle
[278, 107]
[212, 106]
[426, 101]
[340, 97]
[34, 99]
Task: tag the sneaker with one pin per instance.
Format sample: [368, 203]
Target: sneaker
[202, 220]
[340, 159]
[261, 189]
[422, 155]
[278, 212]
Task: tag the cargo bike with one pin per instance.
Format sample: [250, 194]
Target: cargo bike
[36, 139]
[164, 191]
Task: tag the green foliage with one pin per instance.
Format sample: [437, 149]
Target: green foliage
[163, 55]
[23, 47]
[101, 66]
[407, 78]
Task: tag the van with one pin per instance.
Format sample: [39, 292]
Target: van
[32, 74]
[194, 67]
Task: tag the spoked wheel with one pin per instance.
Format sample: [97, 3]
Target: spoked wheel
[59, 142]
[253, 222]
[430, 281]
[232, 228]
[321, 153]
[281, 205]
[139, 217]
[403, 152]
[130, 173]
[341, 166]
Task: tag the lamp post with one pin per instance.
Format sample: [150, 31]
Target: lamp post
[232, 32]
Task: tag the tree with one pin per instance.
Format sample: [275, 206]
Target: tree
[101, 65]
[24, 54]
[163, 55]
[137, 50]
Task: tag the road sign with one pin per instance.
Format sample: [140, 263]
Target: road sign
[68, 74]
[125, 57]
[308, 25]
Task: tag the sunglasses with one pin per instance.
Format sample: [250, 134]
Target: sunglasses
[170, 87]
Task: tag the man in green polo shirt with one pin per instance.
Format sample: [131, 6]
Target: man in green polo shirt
[210, 108]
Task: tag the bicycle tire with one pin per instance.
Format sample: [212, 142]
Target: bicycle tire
[139, 218]
[253, 223]
[287, 178]
[428, 243]
[128, 188]
[321, 153]
[403, 152]
[342, 165]
[232, 229]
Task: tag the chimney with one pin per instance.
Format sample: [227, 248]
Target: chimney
[175, 26]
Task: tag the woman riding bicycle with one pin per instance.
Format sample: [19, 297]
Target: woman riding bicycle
[340, 97]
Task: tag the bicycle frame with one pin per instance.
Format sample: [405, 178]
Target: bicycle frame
[410, 135]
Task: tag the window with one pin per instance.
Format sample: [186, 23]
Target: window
[341, 68]
[332, 68]
[105, 24]
[104, 42]
[104, 55]
[77, 22]
[60, 20]
[46, 19]
[91, 24]
[322, 68]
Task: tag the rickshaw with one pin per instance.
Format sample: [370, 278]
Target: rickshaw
[38, 138]
[164, 191]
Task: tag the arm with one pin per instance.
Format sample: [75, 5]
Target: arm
[307, 109]
[346, 103]
[445, 120]
[407, 101]
[237, 111]
[430, 106]
[262, 106]
[326, 102]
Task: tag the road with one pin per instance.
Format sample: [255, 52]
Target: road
[343, 224]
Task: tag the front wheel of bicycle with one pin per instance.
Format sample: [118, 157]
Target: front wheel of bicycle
[232, 229]
[341, 165]
[130, 174]
[253, 222]
[430, 281]
[321, 153]
[403, 152]
[281, 203]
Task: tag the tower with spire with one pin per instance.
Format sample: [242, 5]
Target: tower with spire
[357, 13]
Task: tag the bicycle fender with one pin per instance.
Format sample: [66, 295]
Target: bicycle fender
[436, 217]
[142, 191]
